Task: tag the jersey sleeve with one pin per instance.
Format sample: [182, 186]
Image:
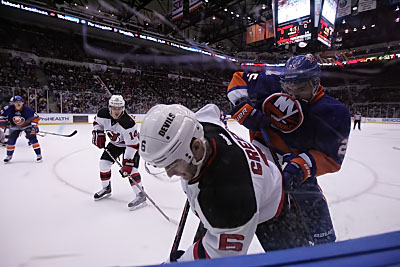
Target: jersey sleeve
[331, 140]
[98, 121]
[253, 86]
[131, 138]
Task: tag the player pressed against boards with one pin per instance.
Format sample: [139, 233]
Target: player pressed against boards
[20, 118]
[307, 129]
[122, 132]
[231, 186]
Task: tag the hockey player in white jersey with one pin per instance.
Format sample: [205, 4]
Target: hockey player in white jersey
[231, 186]
[123, 134]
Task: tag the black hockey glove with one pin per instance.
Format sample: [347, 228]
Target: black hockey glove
[176, 255]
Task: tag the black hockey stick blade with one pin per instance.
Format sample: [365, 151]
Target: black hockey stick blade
[63, 135]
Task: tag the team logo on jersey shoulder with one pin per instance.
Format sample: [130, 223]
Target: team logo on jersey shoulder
[18, 120]
[284, 111]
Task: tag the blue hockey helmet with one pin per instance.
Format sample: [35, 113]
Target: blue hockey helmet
[18, 98]
[300, 69]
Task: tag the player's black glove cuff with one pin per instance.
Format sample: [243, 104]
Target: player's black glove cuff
[176, 255]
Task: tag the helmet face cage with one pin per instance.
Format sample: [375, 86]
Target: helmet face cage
[300, 69]
[166, 135]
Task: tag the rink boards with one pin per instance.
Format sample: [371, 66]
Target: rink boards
[378, 250]
[60, 118]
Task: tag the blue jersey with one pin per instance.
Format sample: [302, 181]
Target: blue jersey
[321, 127]
[18, 118]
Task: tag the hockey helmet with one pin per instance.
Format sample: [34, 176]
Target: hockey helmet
[300, 69]
[17, 98]
[166, 134]
[116, 101]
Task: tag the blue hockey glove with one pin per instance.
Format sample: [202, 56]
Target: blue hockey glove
[249, 117]
[35, 128]
[297, 170]
[176, 255]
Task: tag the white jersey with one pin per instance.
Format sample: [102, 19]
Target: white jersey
[237, 189]
[122, 132]
[357, 117]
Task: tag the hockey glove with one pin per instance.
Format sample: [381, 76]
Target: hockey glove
[176, 255]
[297, 170]
[99, 138]
[35, 129]
[251, 118]
[127, 167]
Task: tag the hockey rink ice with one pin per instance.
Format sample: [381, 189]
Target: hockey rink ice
[49, 217]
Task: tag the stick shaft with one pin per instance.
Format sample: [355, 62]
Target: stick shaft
[141, 189]
[63, 135]
[181, 226]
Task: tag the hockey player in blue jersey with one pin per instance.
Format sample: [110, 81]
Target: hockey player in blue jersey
[305, 127]
[21, 119]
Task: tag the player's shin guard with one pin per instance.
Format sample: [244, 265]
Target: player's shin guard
[315, 211]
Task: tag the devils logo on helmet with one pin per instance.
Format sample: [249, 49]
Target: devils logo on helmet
[284, 111]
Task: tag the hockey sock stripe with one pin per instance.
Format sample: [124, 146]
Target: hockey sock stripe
[105, 175]
[35, 146]
[10, 148]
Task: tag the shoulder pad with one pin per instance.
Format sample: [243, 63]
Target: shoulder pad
[104, 113]
[126, 121]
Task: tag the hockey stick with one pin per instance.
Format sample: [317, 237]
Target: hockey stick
[181, 226]
[141, 189]
[276, 161]
[63, 135]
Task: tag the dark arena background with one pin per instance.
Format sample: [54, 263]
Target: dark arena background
[66, 58]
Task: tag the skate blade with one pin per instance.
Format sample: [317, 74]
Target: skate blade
[100, 198]
[141, 205]
[40, 160]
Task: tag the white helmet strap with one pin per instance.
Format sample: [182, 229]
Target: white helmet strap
[199, 163]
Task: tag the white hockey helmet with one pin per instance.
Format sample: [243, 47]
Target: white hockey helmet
[116, 101]
[166, 134]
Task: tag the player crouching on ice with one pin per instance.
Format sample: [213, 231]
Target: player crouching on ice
[123, 133]
[22, 119]
[230, 185]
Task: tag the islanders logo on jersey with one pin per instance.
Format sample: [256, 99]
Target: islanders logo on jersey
[18, 120]
[284, 111]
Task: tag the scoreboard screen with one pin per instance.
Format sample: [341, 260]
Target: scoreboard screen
[297, 31]
[292, 9]
[293, 21]
[326, 24]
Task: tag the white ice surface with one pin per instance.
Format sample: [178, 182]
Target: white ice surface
[49, 218]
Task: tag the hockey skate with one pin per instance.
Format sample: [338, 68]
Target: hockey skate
[103, 193]
[39, 158]
[7, 159]
[138, 202]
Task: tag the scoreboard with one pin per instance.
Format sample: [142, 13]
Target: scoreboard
[304, 20]
[325, 32]
[326, 23]
[297, 31]
[293, 21]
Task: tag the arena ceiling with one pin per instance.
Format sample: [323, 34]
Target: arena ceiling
[222, 24]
